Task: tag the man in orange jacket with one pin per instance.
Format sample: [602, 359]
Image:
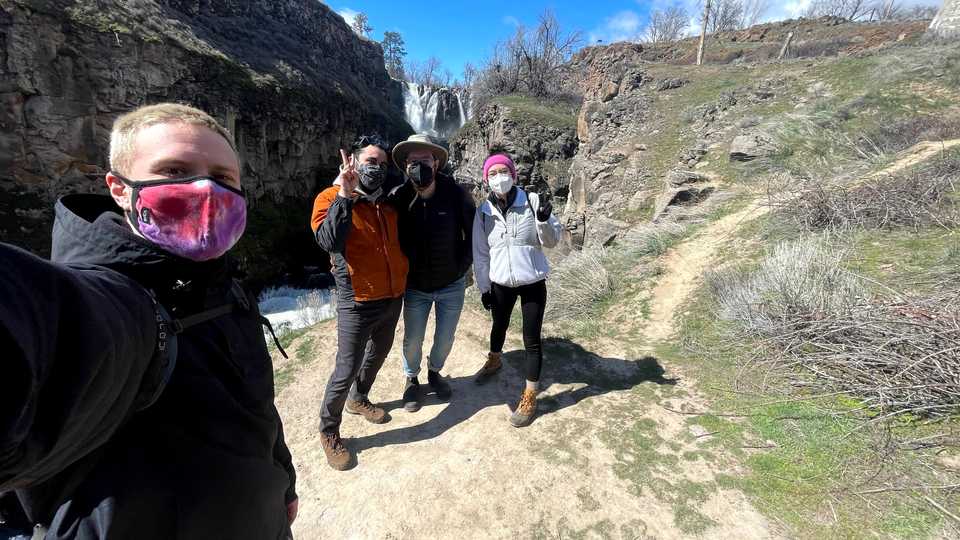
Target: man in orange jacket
[352, 221]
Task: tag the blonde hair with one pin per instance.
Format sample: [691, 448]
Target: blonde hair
[126, 127]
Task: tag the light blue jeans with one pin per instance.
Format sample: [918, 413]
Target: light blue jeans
[416, 311]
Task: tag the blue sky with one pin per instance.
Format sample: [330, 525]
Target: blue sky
[457, 31]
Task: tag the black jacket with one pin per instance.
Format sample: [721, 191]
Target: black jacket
[436, 234]
[79, 339]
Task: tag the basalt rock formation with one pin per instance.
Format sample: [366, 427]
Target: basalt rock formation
[541, 139]
[289, 78]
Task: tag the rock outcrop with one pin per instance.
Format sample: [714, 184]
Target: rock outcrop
[288, 77]
[609, 168]
[947, 22]
[541, 139]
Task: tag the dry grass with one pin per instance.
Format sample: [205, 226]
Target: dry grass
[577, 284]
[898, 354]
[913, 199]
[896, 136]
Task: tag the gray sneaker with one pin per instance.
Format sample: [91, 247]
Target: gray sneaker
[411, 395]
[440, 386]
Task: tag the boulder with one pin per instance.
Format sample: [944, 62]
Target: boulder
[679, 177]
[602, 231]
[670, 84]
[753, 145]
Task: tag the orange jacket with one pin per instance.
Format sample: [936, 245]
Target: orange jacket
[364, 244]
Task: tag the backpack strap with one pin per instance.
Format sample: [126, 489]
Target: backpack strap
[242, 301]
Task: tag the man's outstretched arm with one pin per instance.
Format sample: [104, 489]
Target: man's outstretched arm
[77, 355]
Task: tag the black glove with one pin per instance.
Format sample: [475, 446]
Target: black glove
[543, 213]
[487, 300]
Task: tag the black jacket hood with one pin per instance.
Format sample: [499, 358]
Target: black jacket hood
[90, 229]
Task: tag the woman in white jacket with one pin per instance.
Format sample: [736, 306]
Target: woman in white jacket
[510, 230]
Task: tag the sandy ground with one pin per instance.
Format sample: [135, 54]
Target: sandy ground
[460, 468]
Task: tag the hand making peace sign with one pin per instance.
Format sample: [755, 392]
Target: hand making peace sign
[348, 177]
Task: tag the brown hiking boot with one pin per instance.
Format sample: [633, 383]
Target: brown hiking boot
[338, 456]
[525, 409]
[363, 407]
[491, 366]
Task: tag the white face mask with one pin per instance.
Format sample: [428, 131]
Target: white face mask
[500, 183]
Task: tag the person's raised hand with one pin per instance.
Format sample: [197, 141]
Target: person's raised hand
[349, 178]
[544, 211]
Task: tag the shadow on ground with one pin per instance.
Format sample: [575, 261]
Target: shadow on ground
[565, 363]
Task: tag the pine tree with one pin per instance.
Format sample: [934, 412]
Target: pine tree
[361, 24]
[393, 53]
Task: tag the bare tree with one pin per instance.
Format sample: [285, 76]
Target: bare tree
[887, 10]
[918, 13]
[752, 12]
[724, 15]
[445, 78]
[529, 61]
[411, 70]
[430, 71]
[469, 75]
[667, 25]
[544, 51]
[426, 73]
[851, 10]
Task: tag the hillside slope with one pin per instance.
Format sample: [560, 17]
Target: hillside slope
[289, 78]
[661, 417]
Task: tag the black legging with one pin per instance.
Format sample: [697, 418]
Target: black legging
[533, 300]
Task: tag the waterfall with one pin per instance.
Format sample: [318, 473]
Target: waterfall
[461, 97]
[437, 111]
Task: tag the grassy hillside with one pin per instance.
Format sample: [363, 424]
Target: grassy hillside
[820, 455]
[797, 331]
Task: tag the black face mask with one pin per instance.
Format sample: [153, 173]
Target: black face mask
[420, 174]
[371, 176]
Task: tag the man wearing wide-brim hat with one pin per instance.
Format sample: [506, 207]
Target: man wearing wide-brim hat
[436, 223]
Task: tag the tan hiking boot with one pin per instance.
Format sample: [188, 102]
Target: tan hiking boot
[526, 409]
[491, 366]
[363, 407]
[338, 456]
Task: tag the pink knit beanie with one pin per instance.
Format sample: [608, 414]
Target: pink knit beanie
[499, 159]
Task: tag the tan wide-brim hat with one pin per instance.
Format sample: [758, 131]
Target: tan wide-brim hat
[419, 141]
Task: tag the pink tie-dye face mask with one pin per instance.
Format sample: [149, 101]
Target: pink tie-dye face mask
[197, 218]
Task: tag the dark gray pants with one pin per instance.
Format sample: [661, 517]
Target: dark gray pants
[364, 338]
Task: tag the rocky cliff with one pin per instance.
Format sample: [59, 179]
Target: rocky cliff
[540, 136]
[947, 22]
[287, 77]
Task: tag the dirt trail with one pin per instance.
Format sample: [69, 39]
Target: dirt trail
[461, 469]
[602, 460]
[918, 153]
[683, 268]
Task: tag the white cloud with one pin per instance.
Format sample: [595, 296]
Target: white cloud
[510, 20]
[348, 14]
[777, 10]
[623, 26]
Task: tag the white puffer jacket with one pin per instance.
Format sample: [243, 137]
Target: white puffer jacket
[507, 249]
